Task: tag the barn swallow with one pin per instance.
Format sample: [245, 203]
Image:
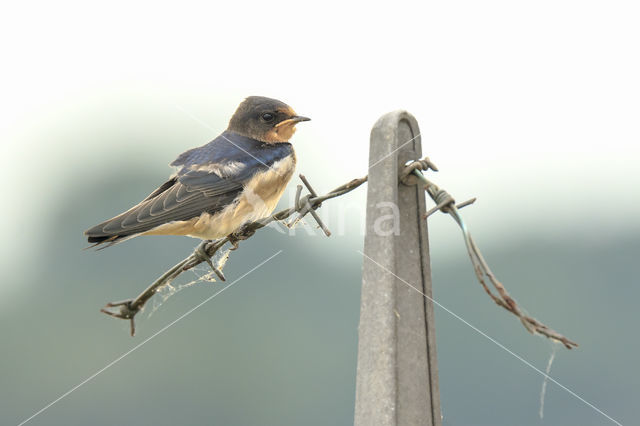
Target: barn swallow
[235, 179]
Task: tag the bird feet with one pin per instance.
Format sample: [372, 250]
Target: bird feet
[244, 233]
[200, 253]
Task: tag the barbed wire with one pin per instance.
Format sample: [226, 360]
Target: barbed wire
[127, 309]
[303, 205]
[446, 204]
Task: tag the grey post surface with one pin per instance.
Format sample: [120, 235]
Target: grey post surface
[397, 376]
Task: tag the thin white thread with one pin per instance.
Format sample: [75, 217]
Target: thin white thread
[392, 152]
[500, 345]
[254, 157]
[228, 140]
[543, 391]
[88, 379]
[193, 117]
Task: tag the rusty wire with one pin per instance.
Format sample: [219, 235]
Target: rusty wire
[127, 309]
[446, 204]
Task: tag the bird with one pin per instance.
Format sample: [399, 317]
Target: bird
[217, 188]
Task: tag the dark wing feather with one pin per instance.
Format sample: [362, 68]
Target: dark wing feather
[206, 192]
[168, 184]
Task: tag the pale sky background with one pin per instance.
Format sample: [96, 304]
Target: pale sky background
[531, 106]
[537, 101]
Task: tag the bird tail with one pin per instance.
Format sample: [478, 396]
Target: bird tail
[113, 231]
[97, 237]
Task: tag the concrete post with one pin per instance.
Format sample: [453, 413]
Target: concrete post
[397, 375]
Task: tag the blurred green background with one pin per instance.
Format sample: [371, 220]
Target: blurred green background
[532, 107]
[280, 346]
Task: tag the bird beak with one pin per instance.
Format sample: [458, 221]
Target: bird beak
[293, 120]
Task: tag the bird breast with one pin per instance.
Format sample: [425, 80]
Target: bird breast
[257, 201]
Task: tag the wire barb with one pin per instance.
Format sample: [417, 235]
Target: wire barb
[446, 204]
[303, 206]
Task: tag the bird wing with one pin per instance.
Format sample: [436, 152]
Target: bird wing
[179, 201]
[210, 178]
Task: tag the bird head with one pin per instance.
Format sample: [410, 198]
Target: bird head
[265, 119]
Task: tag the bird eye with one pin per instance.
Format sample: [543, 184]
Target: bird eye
[267, 116]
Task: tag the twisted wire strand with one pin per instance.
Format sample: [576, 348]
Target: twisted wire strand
[446, 204]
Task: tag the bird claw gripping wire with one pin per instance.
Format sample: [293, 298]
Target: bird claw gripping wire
[244, 233]
[446, 204]
[200, 254]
